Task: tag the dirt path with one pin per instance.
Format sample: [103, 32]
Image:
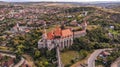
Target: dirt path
[29, 60]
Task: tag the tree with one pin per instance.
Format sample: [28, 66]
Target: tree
[83, 54]
[6, 58]
[20, 49]
[37, 53]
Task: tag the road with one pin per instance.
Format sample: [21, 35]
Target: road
[116, 63]
[29, 60]
[4, 54]
[93, 56]
[20, 62]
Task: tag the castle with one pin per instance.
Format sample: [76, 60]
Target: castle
[60, 37]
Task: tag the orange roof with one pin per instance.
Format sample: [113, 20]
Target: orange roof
[66, 33]
[59, 32]
[50, 35]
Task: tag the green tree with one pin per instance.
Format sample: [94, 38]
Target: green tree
[37, 53]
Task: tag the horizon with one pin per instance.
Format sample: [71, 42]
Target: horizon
[61, 1]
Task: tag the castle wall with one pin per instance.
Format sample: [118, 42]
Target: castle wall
[78, 34]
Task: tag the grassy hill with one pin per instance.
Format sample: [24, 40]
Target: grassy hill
[98, 14]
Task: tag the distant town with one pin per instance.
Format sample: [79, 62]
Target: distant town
[59, 34]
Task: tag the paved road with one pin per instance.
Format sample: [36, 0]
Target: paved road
[93, 56]
[4, 54]
[116, 63]
[20, 63]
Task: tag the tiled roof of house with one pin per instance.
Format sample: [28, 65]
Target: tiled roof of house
[8, 63]
[0, 56]
[11, 61]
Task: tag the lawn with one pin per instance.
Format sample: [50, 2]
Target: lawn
[67, 56]
[3, 48]
[114, 32]
[91, 27]
[83, 61]
[53, 27]
[73, 27]
[6, 48]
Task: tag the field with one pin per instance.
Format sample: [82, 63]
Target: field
[3, 48]
[66, 57]
[91, 27]
[84, 61]
[114, 32]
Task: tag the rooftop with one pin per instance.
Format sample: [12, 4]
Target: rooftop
[59, 32]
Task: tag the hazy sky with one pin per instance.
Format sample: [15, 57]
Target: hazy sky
[57, 0]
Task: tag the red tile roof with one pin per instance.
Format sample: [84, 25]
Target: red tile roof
[59, 32]
[8, 63]
[66, 33]
[50, 35]
[0, 56]
[11, 61]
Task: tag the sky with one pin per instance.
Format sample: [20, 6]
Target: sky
[56, 0]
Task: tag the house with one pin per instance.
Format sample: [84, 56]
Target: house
[112, 27]
[74, 23]
[7, 63]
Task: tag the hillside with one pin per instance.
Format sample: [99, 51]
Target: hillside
[98, 13]
[115, 7]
